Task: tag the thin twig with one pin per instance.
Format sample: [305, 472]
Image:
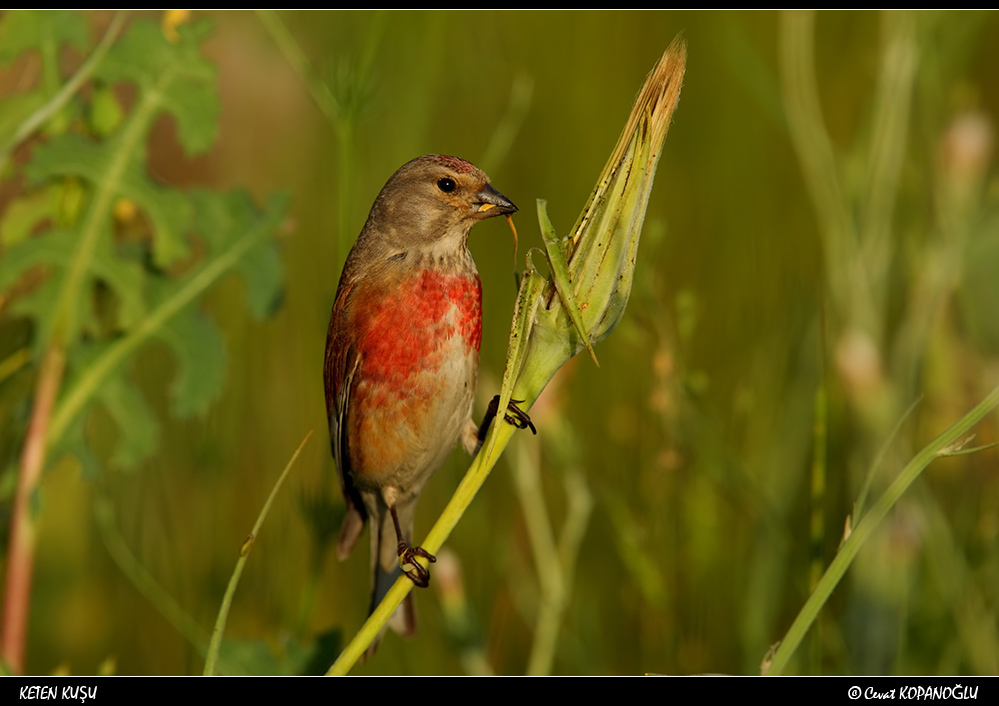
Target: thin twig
[211, 662]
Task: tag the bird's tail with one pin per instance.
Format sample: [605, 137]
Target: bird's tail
[386, 570]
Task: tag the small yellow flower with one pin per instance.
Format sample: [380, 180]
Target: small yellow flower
[173, 19]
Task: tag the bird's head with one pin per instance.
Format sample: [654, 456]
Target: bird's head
[433, 201]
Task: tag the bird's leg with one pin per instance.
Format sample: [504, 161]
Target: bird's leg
[514, 415]
[408, 554]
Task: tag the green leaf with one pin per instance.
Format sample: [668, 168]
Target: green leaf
[257, 658]
[221, 218]
[184, 81]
[200, 351]
[138, 429]
[525, 309]
[262, 271]
[45, 32]
[14, 110]
[79, 252]
[21, 30]
[25, 213]
[74, 443]
[53, 251]
[241, 229]
[168, 210]
[561, 276]
[125, 278]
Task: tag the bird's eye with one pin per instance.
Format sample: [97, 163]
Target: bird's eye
[446, 184]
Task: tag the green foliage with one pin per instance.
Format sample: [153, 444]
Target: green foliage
[115, 248]
[42, 31]
[726, 439]
[46, 33]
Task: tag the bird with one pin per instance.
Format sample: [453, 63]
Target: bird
[402, 354]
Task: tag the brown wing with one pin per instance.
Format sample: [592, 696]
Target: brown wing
[340, 365]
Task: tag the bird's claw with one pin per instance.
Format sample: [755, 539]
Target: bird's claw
[518, 417]
[514, 415]
[413, 569]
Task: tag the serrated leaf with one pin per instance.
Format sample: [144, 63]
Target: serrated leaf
[200, 351]
[245, 657]
[183, 79]
[37, 305]
[263, 273]
[55, 250]
[21, 30]
[68, 155]
[23, 215]
[222, 218]
[138, 429]
[241, 228]
[167, 209]
[125, 278]
[14, 110]
[74, 443]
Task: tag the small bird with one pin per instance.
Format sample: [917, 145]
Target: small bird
[402, 353]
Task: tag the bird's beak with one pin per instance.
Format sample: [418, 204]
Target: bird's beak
[492, 203]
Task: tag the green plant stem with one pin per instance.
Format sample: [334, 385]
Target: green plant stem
[543, 338]
[958, 588]
[21, 550]
[143, 580]
[527, 479]
[500, 434]
[529, 383]
[320, 92]
[55, 104]
[554, 562]
[820, 435]
[938, 447]
[20, 557]
[93, 377]
[817, 155]
[341, 115]
[577, 519]
[211, 662]
[345, 168]
[858, 506]
[505, 132]
[14, 362]
[892, 115]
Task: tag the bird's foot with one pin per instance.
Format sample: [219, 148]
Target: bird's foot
[514, 415]
[413, 569]
[518, 417]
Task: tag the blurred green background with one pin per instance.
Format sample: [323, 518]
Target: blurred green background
[776, 334]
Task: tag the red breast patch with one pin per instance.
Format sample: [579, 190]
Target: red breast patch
[408, 330]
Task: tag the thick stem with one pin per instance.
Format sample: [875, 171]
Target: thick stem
[20, 552]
